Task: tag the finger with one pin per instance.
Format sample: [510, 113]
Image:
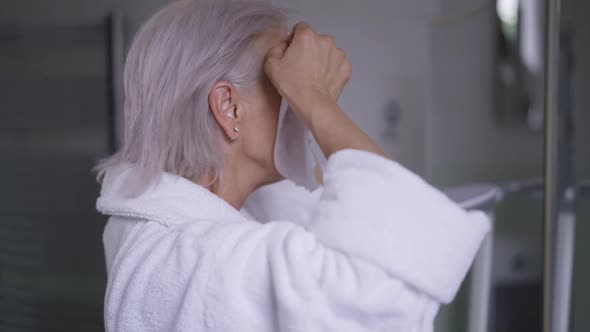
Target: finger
[330, 38]
[347, 69]
[276, 53]
[273, 56]
[299, 27]
[340, 54]
[284, 46]
[301, 31]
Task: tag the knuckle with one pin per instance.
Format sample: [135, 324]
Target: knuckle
[301, 25]
[306, 33]
[347, 69]
[327, 41]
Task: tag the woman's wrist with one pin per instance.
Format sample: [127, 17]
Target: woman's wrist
[331, 127]
[335, 131]
[313, 108]
[324, 114]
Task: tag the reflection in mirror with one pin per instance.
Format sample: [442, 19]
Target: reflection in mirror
[519, 63]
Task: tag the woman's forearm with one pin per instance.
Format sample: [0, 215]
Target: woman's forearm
[335, 131]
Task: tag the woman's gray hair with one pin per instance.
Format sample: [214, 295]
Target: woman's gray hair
[173, 63]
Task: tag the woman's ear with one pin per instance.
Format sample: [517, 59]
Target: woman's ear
[223, 103]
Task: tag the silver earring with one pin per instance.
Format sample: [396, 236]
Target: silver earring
[236, 129]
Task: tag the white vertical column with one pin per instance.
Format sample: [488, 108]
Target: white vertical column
[564, 262]
[481, 285]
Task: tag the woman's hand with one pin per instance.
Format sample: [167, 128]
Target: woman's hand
[310, 70]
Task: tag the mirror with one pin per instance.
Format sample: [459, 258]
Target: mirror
[519, 63]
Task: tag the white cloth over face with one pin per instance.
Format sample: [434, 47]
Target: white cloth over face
[375, 249]
[294, 149]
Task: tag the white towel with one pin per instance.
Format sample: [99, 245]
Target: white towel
[294, 149]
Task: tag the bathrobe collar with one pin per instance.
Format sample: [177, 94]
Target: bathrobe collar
[170, 200]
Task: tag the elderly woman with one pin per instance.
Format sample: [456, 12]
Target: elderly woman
[205, 236]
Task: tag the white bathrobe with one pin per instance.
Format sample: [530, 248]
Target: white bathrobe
[375, 249]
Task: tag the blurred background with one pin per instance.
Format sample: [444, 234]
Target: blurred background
[454, 89]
